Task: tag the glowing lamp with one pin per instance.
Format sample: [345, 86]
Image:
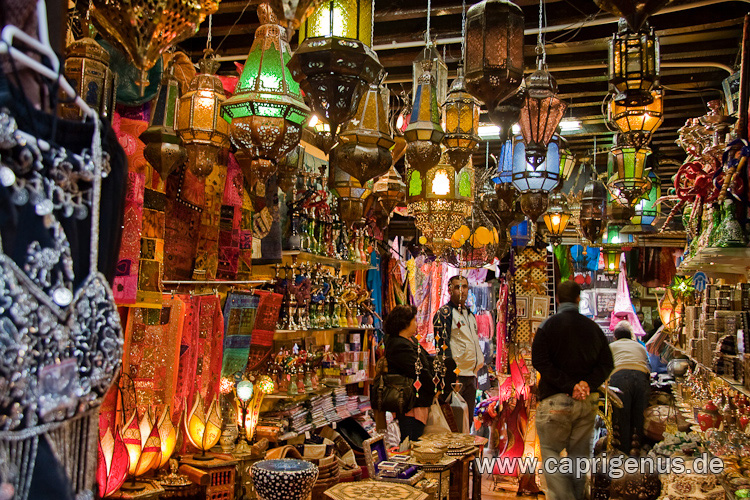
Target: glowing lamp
[630, 182]
[637, 123]
[113, 464]
[143, 442]
[543, 177]
[541, 113]
[557, 216]
[263, 385]
[611, 257]
[203, 428]
[633, 65]
[424, 133]
[167, 436]
[461, 113]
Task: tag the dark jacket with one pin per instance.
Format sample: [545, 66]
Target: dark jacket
[401, 355]
[568, 348]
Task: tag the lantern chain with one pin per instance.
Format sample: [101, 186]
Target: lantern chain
[463, 31]
[540, 50]
[210, 26]
[429, 11]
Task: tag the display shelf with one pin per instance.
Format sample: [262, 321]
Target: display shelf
[333, 330]
[344, 265]
[718, 261]
[734, 384]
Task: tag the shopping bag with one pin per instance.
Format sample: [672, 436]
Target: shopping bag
[460, 413]
[436, 421]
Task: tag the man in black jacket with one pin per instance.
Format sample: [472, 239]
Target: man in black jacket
[572, 355]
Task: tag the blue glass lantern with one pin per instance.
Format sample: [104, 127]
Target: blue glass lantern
[545, 177]
[519, 234]
[504, 172]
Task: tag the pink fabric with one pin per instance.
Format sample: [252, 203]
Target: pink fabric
[623, 307]
[501, 355]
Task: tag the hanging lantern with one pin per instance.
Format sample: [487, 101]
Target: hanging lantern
[350, 192]
[504, 173]
[424, 133]
[619, 214]
[201, 128]
[365, 141]
[334, 63]
[637, 123]
[557, 217]
[288, 168]
[543, 177]
[540, 115]
[476, 240]
[646, 210]
[630, 181]
[634, 12]
[436, 67]
[461, 123]
[203, 429]
[633, 65]
[163, 149]
[533, 204]
[390, 190]
[266, 113]
[112, 467]
[567, 160]
[494, 51]
[145, 30]
[611, 256]
[593, 210]
[144, 447]
[294, 12]
[87, 70]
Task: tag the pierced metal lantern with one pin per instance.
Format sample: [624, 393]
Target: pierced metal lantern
[334, 63]
[646, 210]
[630, 181]
[557, 216]
[204, 133]
[461, 112]
[350, 192]
[494, 50]
[540, 178]
[390, 190]
[266, 113]
[437, 68]
[163, 149]
[475, 241]
[294, 12]
[541, 113]
[567, 160]
[637, 123]
[593, 214]
[506, 113]
[424, 133]
[633, 65]
[87, 70]
[364, 144]
[289, 166]
[145, 30]
[533, 204]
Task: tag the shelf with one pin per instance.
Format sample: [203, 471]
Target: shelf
[333, 330]
[345, 265]
[718, 261]
[734, 384]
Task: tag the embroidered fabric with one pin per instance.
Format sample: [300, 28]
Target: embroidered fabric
[59, 347]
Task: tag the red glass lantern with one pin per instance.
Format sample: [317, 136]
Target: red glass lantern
[541, 113]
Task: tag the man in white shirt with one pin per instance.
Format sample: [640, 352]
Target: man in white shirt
[457, 328]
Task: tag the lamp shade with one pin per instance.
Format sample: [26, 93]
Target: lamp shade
[630, 182]
[494, 50]
[141, 438]
[541, 113]
[637, 123]
[167, 436]
[557, 216]
[87, 70]
[593, 210]
[633, 65]
[203, 428]
[424, 133]
[543, 177]
[267, 111]
[437, 68]
[646, 210]
[113, 462]
[461, 115]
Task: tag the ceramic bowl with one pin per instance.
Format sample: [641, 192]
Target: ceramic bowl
[283, 479]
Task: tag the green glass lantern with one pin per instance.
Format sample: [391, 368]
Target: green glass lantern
[611, 256]
[646, 210]
[567, 160]
[267, 112]
[630, 181]
[424, 133]
[633, 65]
[461, 113]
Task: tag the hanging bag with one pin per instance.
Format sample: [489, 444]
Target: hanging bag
[393, 393]
[436, 422]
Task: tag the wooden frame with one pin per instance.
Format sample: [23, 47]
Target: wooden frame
[374, 445]
[522, 307]
[539, 308]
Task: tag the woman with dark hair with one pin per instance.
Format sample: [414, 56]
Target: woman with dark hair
[401, 353]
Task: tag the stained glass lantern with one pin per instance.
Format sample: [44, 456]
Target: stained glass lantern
[350, 192]
[461, 113]
[557, 216]
[294, 12]
[593, 210]
[611, 256]
[506, 113]
[541, 113]
[424, 133]
[633, 65]
[199, 124]
[630, 182]
[87, 70]
[334, 63]
[390, 190]
[145, 30]
[533, 204]
[163, 149]
[567, 160]
[615, 236]
[504, 173]
[476, 240]
[494, 51]
[288, 168]
[437, 68]
[543, 177]
[266, 113]
[365, 141]
[646, 210]
[637, 123]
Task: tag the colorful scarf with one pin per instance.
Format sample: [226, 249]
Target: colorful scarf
[239, 320]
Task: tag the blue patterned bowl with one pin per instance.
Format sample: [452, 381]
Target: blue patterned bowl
[283, 479]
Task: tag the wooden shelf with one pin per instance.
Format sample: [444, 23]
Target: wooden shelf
[333, 330]
[346, 266]
[734, 384]
[718, 261]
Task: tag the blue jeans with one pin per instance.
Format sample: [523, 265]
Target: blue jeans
[628, 420]
[564, 423]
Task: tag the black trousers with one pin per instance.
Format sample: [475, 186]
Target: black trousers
[628, 420]
[469, 393]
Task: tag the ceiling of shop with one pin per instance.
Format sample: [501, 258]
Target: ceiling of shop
[699, 48]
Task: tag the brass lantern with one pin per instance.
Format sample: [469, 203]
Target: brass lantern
[390, 190]
[163, 149]
[424, 133]
[630, 181]
[633, 65]
[145, 30]
[266, 113]
[541, 113]
[461, 113]
[637, 123]
[334, 63]
[294, 12]
[365, 141]
[567, 160]
[288, 168]
[557, 216]
[87, 70]
[494, 51]
[202, 130]
[437, 68]
[350, 192]
[593, 210]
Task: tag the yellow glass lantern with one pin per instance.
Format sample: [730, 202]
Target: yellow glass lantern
[424, 133]
[340, 18]
[204, 133]
[557, 216]
[203, 428]
[633, 64]
[612, 257]
[567, 160]
[461, 114]
[637, 123]
[87, 70]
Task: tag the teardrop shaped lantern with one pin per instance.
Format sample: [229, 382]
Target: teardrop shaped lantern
[541, 113]
[494, 51]
[593, 210]
[266, 112]
[365, 141]
[461, 112]
[633, 65]
[199, 123]
[390, 190]
[424, 134]
[557, 217]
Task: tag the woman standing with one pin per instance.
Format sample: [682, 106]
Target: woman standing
[401, 353]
